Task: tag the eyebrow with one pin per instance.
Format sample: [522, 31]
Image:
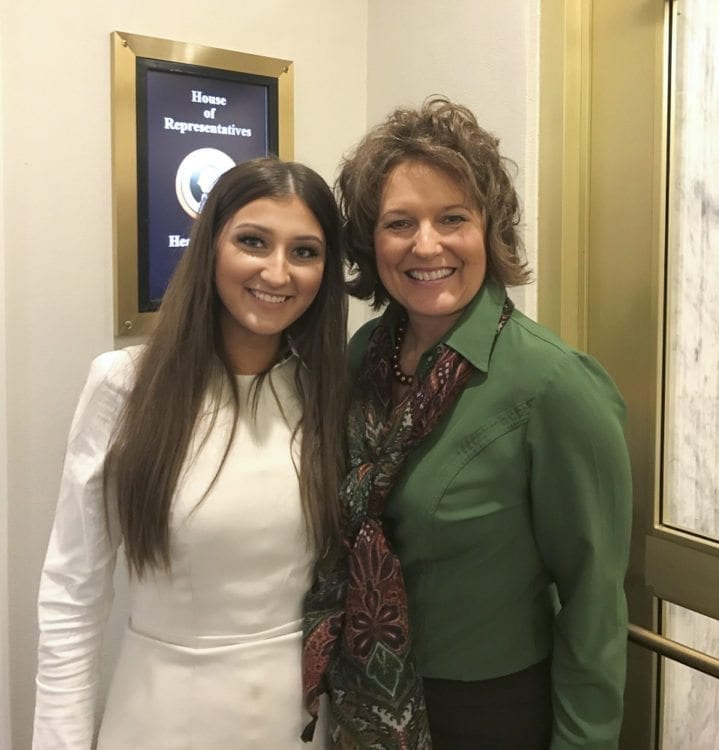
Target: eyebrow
[267, 230]
[309, 238]
[452, 207]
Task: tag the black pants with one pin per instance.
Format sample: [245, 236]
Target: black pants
[505, 713]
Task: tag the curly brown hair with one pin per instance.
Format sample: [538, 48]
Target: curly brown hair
[446, 136]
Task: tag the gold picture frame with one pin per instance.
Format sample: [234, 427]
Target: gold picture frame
[148, 74]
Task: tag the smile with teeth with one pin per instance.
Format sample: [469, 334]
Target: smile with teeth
[433, 275]
[266, 297]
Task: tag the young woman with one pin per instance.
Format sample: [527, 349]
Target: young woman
[488, 462]
[213, 455]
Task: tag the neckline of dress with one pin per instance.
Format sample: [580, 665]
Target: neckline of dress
[240, 378]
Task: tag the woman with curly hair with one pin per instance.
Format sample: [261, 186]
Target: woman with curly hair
[479, 603]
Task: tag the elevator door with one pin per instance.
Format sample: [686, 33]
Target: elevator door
[631, 274]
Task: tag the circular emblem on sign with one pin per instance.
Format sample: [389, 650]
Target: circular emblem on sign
[196, 175]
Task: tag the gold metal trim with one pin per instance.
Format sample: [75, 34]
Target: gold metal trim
[626, 275]
[663, 407]
[125, 48]
[687, 538]
[626, 281]
[601, 244]
[682, 574]
[674, 650]
[564, 136]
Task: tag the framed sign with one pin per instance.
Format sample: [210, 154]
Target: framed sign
[182, 114]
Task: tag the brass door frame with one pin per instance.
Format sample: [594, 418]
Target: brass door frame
[602, 233]
[564, 136]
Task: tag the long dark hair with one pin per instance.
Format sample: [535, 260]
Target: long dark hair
[179, 369]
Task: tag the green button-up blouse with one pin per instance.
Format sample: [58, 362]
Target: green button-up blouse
[512, 521]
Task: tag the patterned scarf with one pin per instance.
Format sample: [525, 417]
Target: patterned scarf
[356, 631]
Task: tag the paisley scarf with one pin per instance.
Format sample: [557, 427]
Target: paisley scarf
[357, 643]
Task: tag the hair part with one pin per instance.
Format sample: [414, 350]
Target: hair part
[184, 364]
[445, 136]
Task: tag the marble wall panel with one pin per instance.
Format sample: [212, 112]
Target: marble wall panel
[691, 492]
[691, 462]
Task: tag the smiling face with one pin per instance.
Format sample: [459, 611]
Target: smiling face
[270, 259]
[429, 246]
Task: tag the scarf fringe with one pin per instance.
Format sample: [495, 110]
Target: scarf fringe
[308, 732]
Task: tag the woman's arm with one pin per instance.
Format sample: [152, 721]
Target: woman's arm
[76, 584]
[581, 504]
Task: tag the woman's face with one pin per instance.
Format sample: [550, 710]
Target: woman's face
[429, 244]
[270, 258]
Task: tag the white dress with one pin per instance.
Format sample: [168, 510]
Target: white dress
[211, 654]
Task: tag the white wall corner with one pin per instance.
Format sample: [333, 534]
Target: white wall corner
[530, 223]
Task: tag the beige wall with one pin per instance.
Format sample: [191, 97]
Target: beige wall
[354, 59]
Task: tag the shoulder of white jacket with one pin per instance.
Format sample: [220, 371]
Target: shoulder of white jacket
[117, 366]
